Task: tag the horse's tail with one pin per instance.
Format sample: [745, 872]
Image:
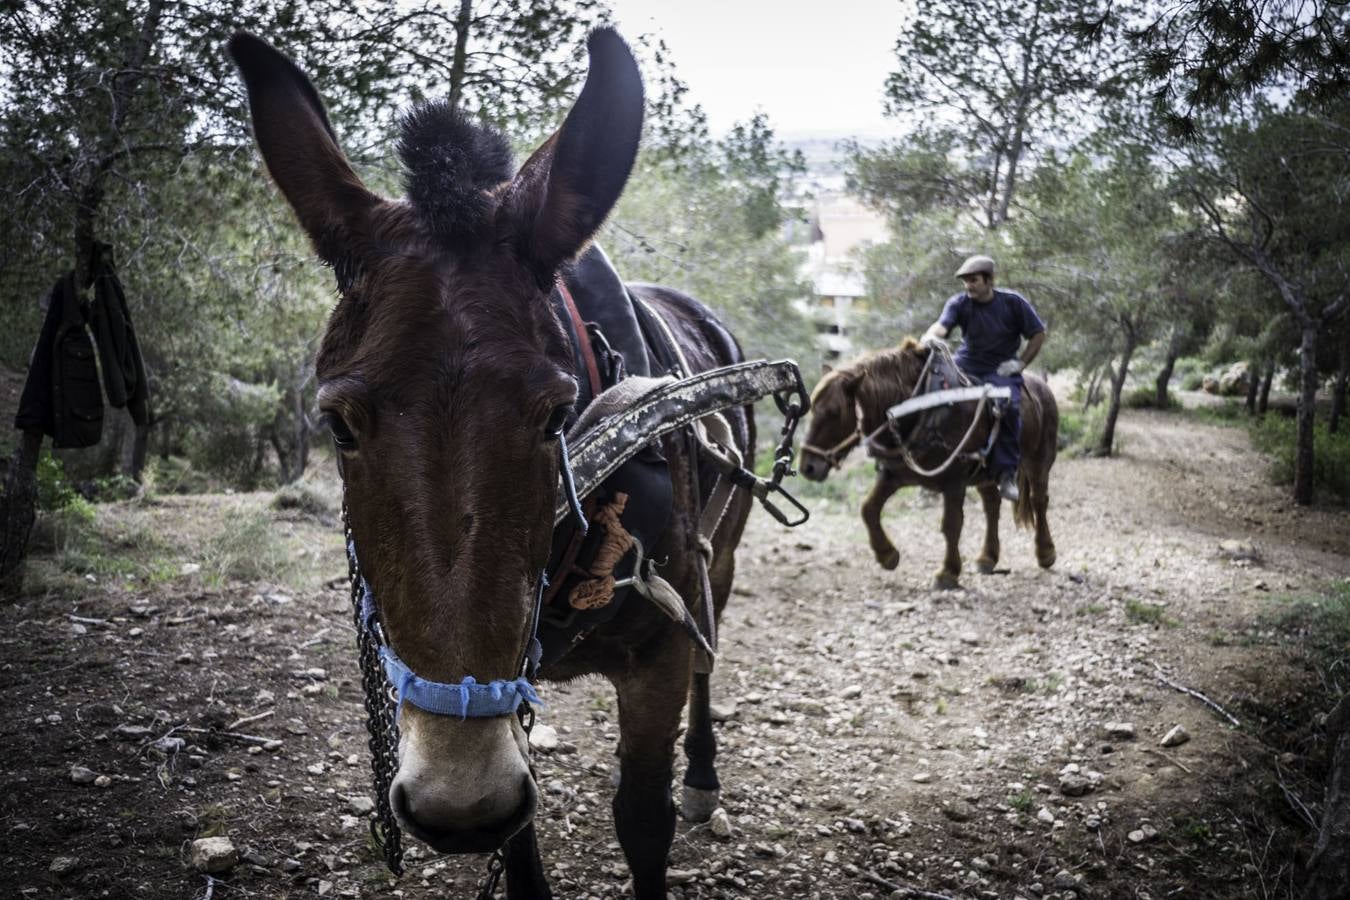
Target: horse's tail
[1022, 509]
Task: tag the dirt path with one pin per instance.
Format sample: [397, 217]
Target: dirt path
[875, 732]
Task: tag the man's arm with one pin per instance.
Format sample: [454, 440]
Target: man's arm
[936, 331]
[1032, 348]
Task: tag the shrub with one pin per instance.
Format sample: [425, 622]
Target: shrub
[1145, 396]
[1081, 432]
[304, 498]
[1278, 437]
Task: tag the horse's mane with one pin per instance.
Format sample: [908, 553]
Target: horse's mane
[879, 378]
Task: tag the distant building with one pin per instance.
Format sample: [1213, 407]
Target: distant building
[840, 226]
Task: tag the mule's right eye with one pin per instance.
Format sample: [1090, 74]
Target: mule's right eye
[556, 421]
[342, 435]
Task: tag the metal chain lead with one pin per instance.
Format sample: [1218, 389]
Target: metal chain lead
[381, 722]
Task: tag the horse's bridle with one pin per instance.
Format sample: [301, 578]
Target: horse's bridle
[835, 455]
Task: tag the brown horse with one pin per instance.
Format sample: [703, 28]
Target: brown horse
[446, 377]
[850, 403]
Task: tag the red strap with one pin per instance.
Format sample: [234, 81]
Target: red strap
[587, 352]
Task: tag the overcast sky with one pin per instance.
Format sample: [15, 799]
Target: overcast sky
[817, 68]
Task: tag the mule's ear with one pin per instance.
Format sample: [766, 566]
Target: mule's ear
[566, 189]
[300, 150]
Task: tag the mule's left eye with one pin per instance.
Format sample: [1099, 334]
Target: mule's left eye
[342, 435]
[557, 419]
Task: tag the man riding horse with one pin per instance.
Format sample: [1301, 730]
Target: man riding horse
[993, 323]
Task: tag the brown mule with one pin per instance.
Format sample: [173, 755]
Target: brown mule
[851, 402]
[446, 378]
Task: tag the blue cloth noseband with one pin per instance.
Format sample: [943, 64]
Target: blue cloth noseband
[468, 699]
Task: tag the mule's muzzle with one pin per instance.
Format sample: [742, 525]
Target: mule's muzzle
[812, 467]
[478, 828]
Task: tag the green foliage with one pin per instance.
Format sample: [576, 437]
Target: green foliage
[304, 498]
[705, 222]
[991, 98]
[1145, 396]
[54, 490]
[1080, 432]
[1139, 612]
[1278, 437]
[1320, 619]
[246, 548]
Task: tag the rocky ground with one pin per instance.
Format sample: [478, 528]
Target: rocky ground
[1014, 738]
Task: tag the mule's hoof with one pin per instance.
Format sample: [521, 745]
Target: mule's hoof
[698, 804]
[890, 560]
[985, 565]
[946, 581]
[1047, 560]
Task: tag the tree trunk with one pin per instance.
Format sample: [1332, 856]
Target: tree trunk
[140, 449]
[1264, 401]
[18, 511]
[1165, 376]
[1338, 392]
[1091, 391]
[1253, 385]
[1108, 440]
[459, 60]
[1307, 397]
[1329, 865]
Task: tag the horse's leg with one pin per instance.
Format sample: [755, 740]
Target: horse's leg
[1045, 545]
[992, 503]
[524, 869]
[953, 517]
[650, 699]
[885, 552]
[702, 790]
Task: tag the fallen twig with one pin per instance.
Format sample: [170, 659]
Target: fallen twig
[893, 886]
[1174, 761]
[210, 888]
[1194, 693]
[246, 719]
[85, 620]
[246, 738]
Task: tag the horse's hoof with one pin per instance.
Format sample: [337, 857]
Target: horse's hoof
[1046, 560]
[946, 581]
[698, 804]
[889, 560]
[985, 566]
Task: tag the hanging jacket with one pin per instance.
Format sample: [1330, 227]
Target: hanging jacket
[61, 396]
[118, 348]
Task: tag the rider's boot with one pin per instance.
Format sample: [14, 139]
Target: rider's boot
[1007, 486]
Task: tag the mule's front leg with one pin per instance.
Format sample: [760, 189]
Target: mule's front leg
[885, 552]
[953, 517]
[524, 870]
[701, 787]
[992, 504]
[650, 699]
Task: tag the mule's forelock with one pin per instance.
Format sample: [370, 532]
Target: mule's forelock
[452, 165]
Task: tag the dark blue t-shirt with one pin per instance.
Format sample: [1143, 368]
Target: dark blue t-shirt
[991, 332]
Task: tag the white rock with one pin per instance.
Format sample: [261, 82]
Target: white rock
[190, 569]
[214, 854]
[1175, 738]
[923, 777]
[1045, 815]
[720, 823]
[64, 865]
[1122, 730]
[543, 738]
[852, 692]
[360, 806]
[81, 775]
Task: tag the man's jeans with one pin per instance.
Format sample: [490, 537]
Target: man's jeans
[1007, 450]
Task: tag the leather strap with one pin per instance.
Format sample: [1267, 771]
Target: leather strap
[583, 339]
